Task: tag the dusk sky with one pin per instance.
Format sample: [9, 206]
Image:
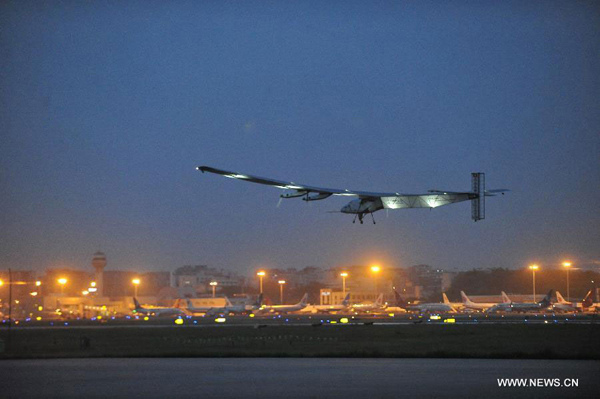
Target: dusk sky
[108, 107]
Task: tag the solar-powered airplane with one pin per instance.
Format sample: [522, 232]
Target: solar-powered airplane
[368, 202]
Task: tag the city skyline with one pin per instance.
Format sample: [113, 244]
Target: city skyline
[108, 110]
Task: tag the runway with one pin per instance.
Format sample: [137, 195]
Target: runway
[291, 378]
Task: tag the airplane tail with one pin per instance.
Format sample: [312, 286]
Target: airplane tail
[400, 302]
[445, 297]
[559, 298]
[136, 303]
[588, 301]
[465, 298]
[304, 300]
[228, 302]
[259, 301]
[547, 301]
[346, 300]
[505, 298]
[379, 301]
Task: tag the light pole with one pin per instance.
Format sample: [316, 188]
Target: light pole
[344, 275]
[281, 283]
[260, 275]
[375, 269]
[213, 284]
[135, 282]
[62, 281]
[567, 266]
[533, 269]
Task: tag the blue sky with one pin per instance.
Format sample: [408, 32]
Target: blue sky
[108, 107]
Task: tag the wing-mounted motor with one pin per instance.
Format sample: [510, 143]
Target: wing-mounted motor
[317, 197]
[294, 194]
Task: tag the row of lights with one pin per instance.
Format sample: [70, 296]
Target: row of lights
[374, 269]
[567, 265]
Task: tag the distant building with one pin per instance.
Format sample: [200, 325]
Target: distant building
[331, 297]
[199, 278]
[427, 279]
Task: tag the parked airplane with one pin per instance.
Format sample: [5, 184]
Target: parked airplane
[370, 202]
[563, 306]
[511, 306]
[370, 306]
[456, 305]
[156, 311]
[588, 305]
[213, 310]
[329, 308]
[284, 308]
[480, 306]
[422, 307]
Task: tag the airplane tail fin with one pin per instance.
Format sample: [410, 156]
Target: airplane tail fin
[259, 301]
[400, 302]
[228, 302]
[559, 298]
[346, 300]
[304, 300]
[136, 303]
[379, 301]
[588, 301]
[445, 297]
[547, 301]
[505, 298]
[465, 298]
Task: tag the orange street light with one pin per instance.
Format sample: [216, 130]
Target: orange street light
[533, 269]
[62, 281]
[135, 282]
[344, 275]
[375, 269]
[281, 283]
[214, 287]
[567, 266]
[260, 275]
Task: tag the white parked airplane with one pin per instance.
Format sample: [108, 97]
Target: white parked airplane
[563, 306]
[370, 202]
[511, 306]
[284, 308]
[423, 307]
[156, 311]
[455, 305]
[213, 310]
[340, 307]
[371, 306]
[480, 306]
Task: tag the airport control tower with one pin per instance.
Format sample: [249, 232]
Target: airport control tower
[99, 263]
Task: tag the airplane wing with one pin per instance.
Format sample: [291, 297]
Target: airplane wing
[301, 189]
